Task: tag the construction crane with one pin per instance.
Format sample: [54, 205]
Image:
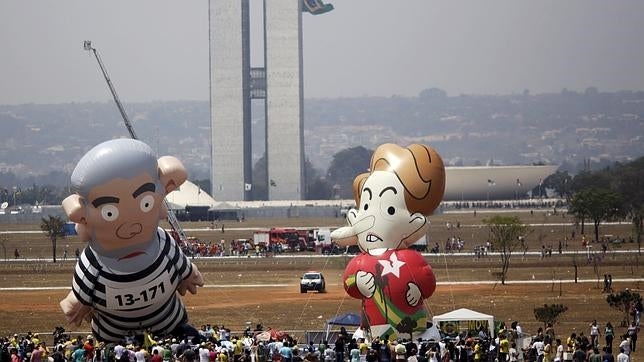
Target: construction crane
[172, 218]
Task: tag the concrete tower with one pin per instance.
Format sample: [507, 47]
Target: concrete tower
[230, 99]
[284, 99]
[233, 83]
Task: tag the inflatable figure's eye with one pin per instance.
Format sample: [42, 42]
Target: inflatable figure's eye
[147, 203]
[391, 210]
[365, 207]
[109, 212]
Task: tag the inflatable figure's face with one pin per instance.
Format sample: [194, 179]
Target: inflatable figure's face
[382, 220]
[124, 212]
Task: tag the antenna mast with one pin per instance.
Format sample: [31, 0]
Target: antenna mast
[172, 218]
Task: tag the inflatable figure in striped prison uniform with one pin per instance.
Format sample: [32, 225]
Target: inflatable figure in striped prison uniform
[127, 277]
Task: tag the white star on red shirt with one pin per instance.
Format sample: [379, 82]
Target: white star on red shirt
[391, 266]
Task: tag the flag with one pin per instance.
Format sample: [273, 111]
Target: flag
[272, 183]
[490, 182]
[248, 187]
[518, 182]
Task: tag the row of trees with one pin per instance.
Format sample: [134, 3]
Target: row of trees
[335, 183]
[625, 301]
[612, 193]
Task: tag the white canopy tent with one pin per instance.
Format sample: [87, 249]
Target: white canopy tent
[465, 314]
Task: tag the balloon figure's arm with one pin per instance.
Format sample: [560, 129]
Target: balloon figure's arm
[423, 276]
[359, 283]
[194, 280]
[75, 311]
[427, 281]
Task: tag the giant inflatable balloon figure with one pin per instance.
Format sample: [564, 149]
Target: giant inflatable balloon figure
[393, 200]
[127, 277]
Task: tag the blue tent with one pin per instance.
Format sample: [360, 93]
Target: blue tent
[348, 319]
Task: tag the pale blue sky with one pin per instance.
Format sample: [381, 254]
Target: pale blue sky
[158, 49]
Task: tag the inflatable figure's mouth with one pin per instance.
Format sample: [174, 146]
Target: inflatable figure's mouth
[372, 238]
[132, 255]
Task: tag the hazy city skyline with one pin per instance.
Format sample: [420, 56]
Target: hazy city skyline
[158, 50]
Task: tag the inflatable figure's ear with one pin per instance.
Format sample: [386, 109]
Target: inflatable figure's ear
[75, 208]
[171, 173]
[417, 234]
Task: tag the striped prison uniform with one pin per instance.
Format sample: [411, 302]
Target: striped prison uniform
[133, 302]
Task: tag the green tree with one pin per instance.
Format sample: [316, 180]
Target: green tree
[549, 313]
[587, 180]
[622, 301]
[596, 205]
[629, 182]
[54, 228]
[507, 233]
[561, 182]
[317, 187]
[345, 166]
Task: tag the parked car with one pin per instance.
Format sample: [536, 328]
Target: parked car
[312, 280]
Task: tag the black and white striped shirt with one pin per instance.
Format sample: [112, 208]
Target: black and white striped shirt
[125, 302]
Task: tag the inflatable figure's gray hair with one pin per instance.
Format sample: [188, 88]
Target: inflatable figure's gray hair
[120, 158]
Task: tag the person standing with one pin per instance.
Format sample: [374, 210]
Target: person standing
[477, 351]
[156, 357]
[632, 334]
[595, 356]
[558, 351]
[514, 353]
[354, 353]
[625, 345]
[609, 335]
[141, 355]
[400, 351]
[339, 349]
[622, 356]
[547, 349]
[607, 356]
[504, 347]
[286, 352]
[538, 346]
[329, 354]
[204, 352]
[579, 355]
[594, 334]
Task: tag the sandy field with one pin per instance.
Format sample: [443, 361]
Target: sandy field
[245, 291]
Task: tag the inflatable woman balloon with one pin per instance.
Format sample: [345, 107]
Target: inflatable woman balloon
[127, 277]
[393, 200]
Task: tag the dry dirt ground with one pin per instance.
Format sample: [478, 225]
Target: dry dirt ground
[247, 291]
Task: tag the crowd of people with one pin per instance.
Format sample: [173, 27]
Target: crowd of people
[218, 344]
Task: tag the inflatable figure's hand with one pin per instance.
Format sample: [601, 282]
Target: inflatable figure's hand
[191, 283]
[366, 283]
[413, 294]
[75, 311]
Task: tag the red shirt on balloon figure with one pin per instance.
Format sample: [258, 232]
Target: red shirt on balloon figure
[393, 200]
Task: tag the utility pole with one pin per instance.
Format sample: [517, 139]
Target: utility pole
[172, 218]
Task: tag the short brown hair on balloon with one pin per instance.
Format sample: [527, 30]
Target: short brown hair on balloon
[419, 168]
